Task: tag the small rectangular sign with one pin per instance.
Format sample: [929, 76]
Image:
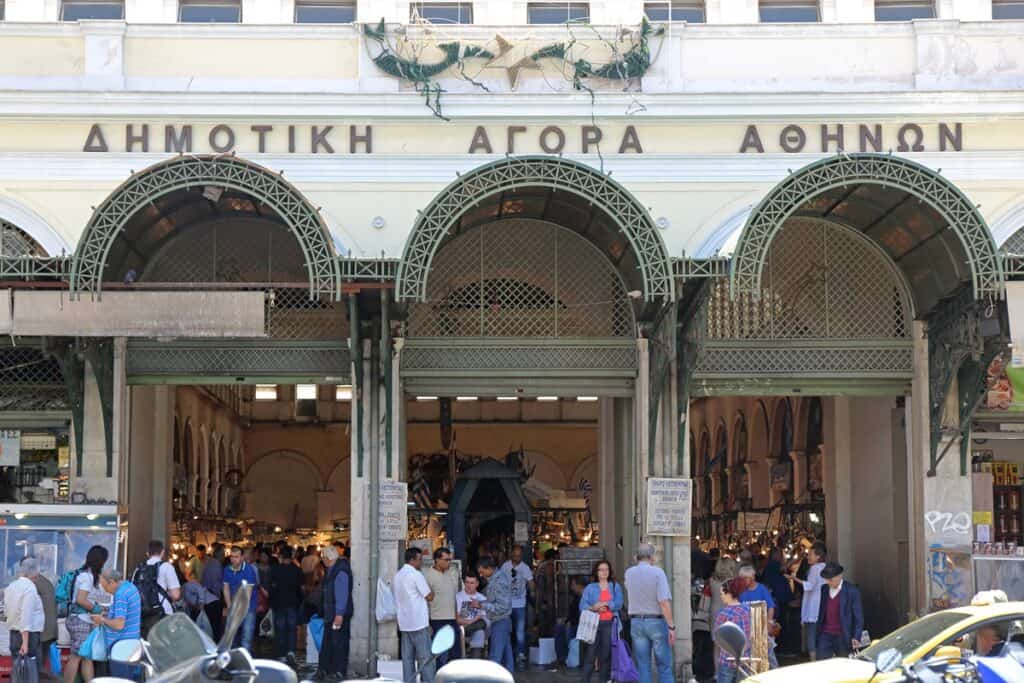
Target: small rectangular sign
[10, 447]
[393, 511]
[668, 506]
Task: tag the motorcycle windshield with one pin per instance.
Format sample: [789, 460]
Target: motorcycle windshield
[175, 640]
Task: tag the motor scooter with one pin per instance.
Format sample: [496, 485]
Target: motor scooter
[177, 651]
[459, 670]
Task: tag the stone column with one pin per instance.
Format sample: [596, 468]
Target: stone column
[150, 469]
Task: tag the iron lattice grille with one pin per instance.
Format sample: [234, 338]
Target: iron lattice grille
[291, 314]
[522, 278]
[16, 243]
[184, 172]
[230, 251]
[444, 211]
[846, 170]
[30, 380]
[820, 282]
[238, 358]
[831, 304]
[1015, 243]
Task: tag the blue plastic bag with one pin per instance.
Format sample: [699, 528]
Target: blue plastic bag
[55, 667]
[316, 628]
[95, 645]
[573, 660]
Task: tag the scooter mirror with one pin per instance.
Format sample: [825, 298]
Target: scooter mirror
[731, 639]
[443, 640]
[236, 615]
[127, 651]
[888, 660]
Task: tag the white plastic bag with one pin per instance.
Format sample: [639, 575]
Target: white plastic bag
[386, 610]
[587, 631]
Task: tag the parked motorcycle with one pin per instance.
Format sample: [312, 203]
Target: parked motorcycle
[177, 651]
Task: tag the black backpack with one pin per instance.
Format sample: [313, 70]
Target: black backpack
[152, 594]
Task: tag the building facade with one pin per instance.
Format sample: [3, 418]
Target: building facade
[254, 266]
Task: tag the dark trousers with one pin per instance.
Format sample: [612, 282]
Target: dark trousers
[286, 629]
[335, 647]
[832, 646]
[215, 613]
[703, 655]
[456, 651]
[601, 650]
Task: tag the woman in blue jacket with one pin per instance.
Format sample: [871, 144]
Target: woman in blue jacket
[603, 596]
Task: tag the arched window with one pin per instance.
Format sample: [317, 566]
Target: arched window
[721, 467]
[189, 455]
[782, 468]
[738, 469]
[705, 471]
[815, 440]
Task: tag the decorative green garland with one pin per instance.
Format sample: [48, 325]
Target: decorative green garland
[634, 63]
[422, 75]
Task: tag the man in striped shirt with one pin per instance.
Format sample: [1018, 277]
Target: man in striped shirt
[124, 620]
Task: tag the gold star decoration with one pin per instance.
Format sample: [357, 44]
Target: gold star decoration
[512, 58]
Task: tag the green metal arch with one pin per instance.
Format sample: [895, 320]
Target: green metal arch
[962, 216]
[184, 172]
[434, 222]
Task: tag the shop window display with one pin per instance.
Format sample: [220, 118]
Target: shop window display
[34, 466]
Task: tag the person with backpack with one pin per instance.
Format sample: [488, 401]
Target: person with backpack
[158, 586]
[236, 573]
[79, 595]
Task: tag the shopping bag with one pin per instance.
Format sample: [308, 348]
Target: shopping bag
[203, 622]
[386, 610]
[587, 631]
[95, 645]
[25, 670]
[316, 627]
[267, 625]
[623, 668]
[573, 660]
[55, 667]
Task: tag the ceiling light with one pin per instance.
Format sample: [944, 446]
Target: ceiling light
[465, 398]
[426, 398]
[508, 398]
[547, 398]
[343, 392]
[586, 399]
[20, 515]
[92, 516]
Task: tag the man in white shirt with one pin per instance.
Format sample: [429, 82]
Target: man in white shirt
[816, 557]
[168, 588]
[24, 608]
[522, 579]
[411, 597]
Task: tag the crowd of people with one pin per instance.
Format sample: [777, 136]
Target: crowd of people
[293, 585]
[811, 609]
[486, 607]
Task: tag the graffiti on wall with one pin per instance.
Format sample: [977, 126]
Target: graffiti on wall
[949, 576]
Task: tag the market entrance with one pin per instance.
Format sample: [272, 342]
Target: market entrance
[807, 372]
[237, 437]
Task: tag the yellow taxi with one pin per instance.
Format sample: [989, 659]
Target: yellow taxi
[917, 640]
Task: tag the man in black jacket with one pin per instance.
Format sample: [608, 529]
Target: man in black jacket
[337, 613]
[286, 580]
[840, 616]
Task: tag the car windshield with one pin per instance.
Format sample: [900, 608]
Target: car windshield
[915, 634]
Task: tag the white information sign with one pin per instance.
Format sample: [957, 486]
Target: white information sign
[668, 506]
[393, 512]
[10, 447]
[522, 532]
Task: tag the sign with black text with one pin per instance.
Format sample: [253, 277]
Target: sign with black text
[669, 506]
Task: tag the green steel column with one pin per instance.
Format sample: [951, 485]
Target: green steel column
[386, 369]
[355, 346]
[374, 394]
